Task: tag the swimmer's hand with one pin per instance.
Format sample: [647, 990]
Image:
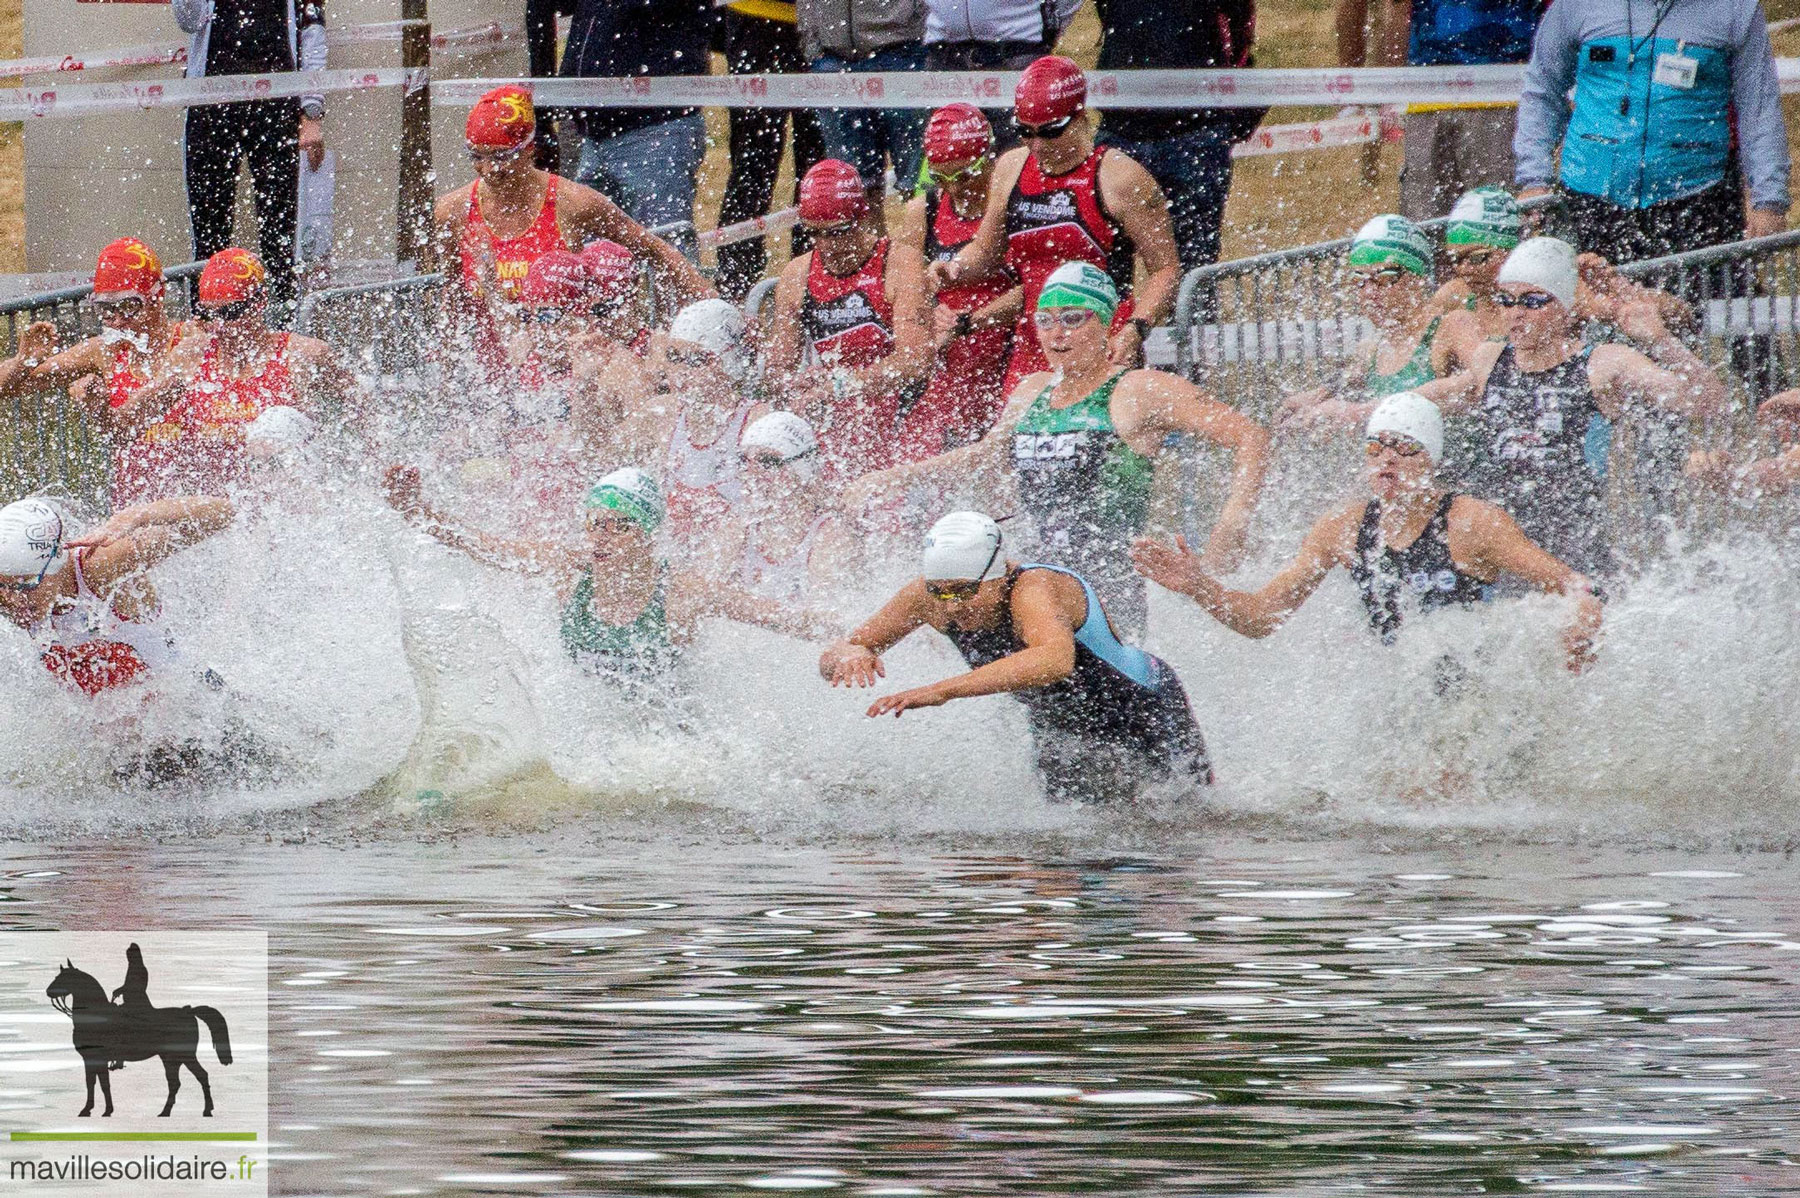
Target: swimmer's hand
[1126, 347]
[402, 487]
[923, 696]
[845, 664]
[939, 275]
[1176, 566]
[37, 341]
[1579, 638]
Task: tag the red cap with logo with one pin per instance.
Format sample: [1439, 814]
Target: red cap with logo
[503, 119]
[231, 275]
[957, 132]
[557, 279]
[128, 267]
[831, 193]
[1051, 88]
[612, 271]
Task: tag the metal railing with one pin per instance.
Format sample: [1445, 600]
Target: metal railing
[1260, 326]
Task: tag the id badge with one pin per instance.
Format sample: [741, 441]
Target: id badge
[1676, 70]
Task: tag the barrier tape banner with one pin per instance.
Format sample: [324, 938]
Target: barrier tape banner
[475, 37]
[1321, 135]
[86, 99]
[746, 230]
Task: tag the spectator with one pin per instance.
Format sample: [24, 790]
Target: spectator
[1646, 149]
[1188, 153]
[643, 159]
[1450, 148]
[993, 35]
[761, 37]
[252, 37]
[862, 36]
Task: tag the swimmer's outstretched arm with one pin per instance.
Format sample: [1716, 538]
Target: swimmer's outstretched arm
[697, 597]
[1252, 613]
[984, 461]
[1173, 405]
[1488, 542]
[401, 486]
[136, 538]
[1041, 619]
[856, 660]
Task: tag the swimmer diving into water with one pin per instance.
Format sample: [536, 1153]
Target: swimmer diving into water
[1106, 718]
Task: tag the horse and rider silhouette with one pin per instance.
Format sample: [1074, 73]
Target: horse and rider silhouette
[107, 1034]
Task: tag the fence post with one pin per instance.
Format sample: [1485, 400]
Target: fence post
[412, 223]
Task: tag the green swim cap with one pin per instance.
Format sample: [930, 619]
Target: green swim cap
[1486, 216]
[1080, 285]
[630, 492]
[1392, 240]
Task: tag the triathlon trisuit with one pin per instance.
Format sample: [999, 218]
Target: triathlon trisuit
[1534, 431]
[1119, 720]
[704, 482]
[964, 397]
[1423, 575]
[1087, 493]
[122, 384]
[510, 259]
[788, 581]
[197, 447]
[849, 321]
[639, 649]
[1410, 377]
[1050, 220]
[88, 646]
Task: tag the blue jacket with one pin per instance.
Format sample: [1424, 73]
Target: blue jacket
[1654, 101]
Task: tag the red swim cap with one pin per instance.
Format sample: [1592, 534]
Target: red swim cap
[1051, 88]
[556, 279]
[230, 275]
[832, 192]
[502, 119]
[128, 267]
[956, 132]
[612, 271]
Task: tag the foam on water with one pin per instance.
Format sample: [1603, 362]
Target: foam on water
[363, 662]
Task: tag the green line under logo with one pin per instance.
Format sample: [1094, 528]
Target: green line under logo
[135, 1137]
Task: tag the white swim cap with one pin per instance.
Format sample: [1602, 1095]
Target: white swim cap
[785, 433]
[716, 326]
[1409, 414]
[1545, 263]
[630, 492]
[281, 427]
[31, 537]
[964, 547]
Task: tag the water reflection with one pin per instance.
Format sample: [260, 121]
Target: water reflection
[559, 1016]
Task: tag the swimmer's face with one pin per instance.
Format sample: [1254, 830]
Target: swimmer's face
[1381, 289]
[615, 538]
[497, 165]
[1397, 466]
[967, 609]
[682, 366]
[127, 313]
[961, 174]
[770, 482]
[1476, 265]
[1536, 317]
[1070, 337]
[238, 318]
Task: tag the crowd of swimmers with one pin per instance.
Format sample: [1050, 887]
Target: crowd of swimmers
[987, 353]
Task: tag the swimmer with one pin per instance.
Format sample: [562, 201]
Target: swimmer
[616, 307]
[794, 541]
[1485, 225]
[1719, 469]
[1081, 445]
[850, 343]
[626, 614]
[972, 322]
[187, 427]
[488, 233]
[85, 600]
[1411, 548]
[1534, 398]
[1415, 339]
[1106, 718]
[1059, 198]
